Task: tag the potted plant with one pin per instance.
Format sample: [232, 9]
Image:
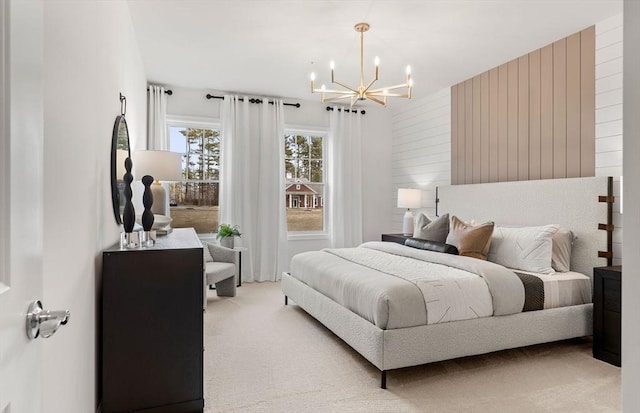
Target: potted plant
[226, 232]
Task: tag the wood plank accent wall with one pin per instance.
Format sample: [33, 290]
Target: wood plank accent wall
[530, 118]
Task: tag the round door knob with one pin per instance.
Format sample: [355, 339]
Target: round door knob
[44, 323]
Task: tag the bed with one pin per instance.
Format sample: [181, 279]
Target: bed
[376, 308]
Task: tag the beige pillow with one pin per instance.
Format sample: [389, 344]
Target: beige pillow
[471, 241]
[561, 250]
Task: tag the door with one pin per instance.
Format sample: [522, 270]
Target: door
[21, 206]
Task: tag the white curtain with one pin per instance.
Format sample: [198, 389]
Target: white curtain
[344, 175]
[156, 117]
[252, 184]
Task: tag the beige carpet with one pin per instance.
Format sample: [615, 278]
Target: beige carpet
[264, 357]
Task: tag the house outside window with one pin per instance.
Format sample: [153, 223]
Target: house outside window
[194, 200]
[305, 181]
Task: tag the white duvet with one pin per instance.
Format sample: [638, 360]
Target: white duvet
[450, 294]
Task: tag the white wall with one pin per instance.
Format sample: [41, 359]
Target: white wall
[90, 55]
[422, 133]
[609, 114]
[421, 151]
[631, 217]
[376, 156]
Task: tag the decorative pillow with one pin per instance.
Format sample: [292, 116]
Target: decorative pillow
[562, 242]
[471, 241]
[436, 230]
[424, 244]
[525, 248]
[207, 253]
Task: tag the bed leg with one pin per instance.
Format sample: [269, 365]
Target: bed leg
[286, 300]
[383, 379]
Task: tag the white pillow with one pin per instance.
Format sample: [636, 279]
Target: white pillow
[526, 248]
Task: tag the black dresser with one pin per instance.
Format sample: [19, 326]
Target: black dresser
[152, 326]
[606, 313]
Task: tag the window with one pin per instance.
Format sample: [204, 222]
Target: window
[304, 187]
[194, 200]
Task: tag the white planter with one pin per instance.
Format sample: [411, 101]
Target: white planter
[227, 242]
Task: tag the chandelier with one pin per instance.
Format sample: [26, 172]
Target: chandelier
[362, 92]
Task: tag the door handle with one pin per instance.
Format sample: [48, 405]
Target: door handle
[44, 323]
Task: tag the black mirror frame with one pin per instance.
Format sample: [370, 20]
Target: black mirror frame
[115, 193]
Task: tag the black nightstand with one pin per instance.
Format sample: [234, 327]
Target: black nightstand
[606, 313]
[397, 238]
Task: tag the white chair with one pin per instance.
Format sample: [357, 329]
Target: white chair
[220, 269]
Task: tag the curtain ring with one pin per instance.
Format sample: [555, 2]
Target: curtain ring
[123, 104]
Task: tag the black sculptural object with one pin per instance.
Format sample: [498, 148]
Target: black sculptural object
[129, 213]
[147, 201]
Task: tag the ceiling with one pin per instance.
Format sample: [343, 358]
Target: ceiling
[270, 47]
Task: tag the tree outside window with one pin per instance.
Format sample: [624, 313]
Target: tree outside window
[194, 200]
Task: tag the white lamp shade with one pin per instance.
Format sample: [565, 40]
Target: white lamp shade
[161, 165]
[409, 198]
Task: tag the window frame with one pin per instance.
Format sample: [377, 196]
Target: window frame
[324, 134]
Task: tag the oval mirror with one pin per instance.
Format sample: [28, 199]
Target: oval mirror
[119, 152]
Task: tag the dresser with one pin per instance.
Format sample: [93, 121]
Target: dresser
[152, 326]
[607, 308]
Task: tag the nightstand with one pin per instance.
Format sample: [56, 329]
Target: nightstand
[397, 238]
[606, 313]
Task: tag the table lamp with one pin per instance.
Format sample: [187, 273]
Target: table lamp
[408, 198]
[163, 166]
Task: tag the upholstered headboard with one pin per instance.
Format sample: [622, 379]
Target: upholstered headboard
[572, 203]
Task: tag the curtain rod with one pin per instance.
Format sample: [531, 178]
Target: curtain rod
[362, 112]
[252, 100]
[168, 91]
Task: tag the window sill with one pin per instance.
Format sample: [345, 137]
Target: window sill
[305, 236]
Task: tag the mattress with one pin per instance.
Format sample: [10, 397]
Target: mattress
[391, 298]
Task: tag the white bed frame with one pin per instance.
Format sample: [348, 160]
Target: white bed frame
[572, 203]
